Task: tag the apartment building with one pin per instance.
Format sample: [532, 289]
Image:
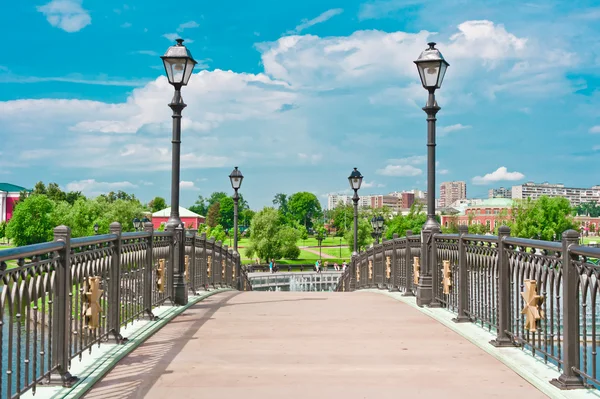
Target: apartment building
[451, 191]
[500, 193]
[576, 196]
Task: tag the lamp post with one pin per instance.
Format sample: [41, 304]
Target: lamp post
[377, 225]
[96, 228]
[236, 178]
[136, 224]
[432, 68]
[179, 64]
[355, 180]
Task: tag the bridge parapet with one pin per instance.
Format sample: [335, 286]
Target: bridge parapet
[541, 296]
[63, 298]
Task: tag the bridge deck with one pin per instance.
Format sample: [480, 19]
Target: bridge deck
[308, 345]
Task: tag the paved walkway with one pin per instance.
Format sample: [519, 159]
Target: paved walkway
[316, 252]
[308, 345]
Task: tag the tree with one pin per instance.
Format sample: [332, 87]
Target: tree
[304, 206]
[32, 222]
[212, 219]
[218, 232]
[2, 230]
[246, 217]
[270, 239]
[200, 206]
[215, 197]
[364, 234]
[226, 212]
[544, 218]
[281, 201]
[414, 221]
[343, 219]
[158, 204]
[588, 209]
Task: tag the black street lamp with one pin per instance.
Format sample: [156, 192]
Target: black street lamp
[96, 228]
[355, 180]
[377, 225]
[179, 64]
[236, 178]
[136, 224]
[432, 68]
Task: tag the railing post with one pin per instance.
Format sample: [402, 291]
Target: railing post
[463, 284]
[61, 328]
[503, 339]
[192, 266]
[114, 289]
[203, 260]
[571, 346]
[148, 283]
[425, 288]
[434, 270]
[179, 284]
[408, 263]
[394, 266]
[353, 266]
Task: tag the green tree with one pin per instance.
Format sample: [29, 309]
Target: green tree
[200, 206]
[343, 219]
[364, 234]
[212, 219]
[270, 238]
[544, 218]
[2, 231]
[588, 209]
[158, 204]
[215, 197]
[32, 222]
[218, 232]
[226, 212]
[303, 207]
[246, 217]
[414, 220]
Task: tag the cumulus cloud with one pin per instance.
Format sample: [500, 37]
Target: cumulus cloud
[188, 185]
[319, 19]
[67, 15]
[187, 25]
[91, 187]
[595, 129]
[444, 130]
[399, 170]
[372, 184]
[500, 174]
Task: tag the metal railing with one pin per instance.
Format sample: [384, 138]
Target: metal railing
[485, 279]
[60, 299]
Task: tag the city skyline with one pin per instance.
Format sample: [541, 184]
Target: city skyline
[517, 88]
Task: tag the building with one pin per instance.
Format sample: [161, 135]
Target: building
[451, 191]
[500, 193]
[9, 195]
[576, 196]
[334, 200]
[190, 219]
[390, 201]
[488, 212]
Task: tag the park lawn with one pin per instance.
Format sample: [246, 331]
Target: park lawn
[346, 252]
[312, 242]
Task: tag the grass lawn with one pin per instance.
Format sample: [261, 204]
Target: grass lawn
[346, 252]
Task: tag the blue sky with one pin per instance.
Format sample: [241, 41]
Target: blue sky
[297, 94]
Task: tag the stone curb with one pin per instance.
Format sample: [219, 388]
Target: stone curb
[529, 368]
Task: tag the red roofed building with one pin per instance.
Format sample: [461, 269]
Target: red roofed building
[9, 195]
[190, 219]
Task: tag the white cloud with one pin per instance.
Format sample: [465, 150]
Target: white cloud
[321, 18]
[444, 130]
[147, 52]
[187, 25]
[67, 15]
[188, 185]
[312, 158]
[126, 25]
[91, 187]
[443, 171]
[399, 170]
[412, 160]
[501, 174]
[372, 184]
[595, 129]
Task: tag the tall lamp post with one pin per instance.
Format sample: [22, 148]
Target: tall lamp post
[432, 68]
[179, 64]
[377, 225]
[236, 178]
[355, 180]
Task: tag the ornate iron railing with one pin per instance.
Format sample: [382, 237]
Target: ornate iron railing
[526, 292]
[59, 300]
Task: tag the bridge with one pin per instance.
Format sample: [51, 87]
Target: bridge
[151, 314]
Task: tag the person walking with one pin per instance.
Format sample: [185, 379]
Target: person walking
[271, 266]
[336, 267]
[344, 266]
[317, 267]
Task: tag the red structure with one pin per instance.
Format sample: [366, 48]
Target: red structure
[9, 195]
[190, 219]
[488, 213]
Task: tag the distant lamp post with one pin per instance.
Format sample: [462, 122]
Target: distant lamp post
[355, 180]
[377, 225]
[136, 224]
[96, 228]
[144, 221]
[179, 64]
[236, 178]
[432, 69]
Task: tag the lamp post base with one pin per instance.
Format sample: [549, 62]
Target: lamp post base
[424, 290]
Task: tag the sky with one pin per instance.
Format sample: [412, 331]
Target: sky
[297, 94]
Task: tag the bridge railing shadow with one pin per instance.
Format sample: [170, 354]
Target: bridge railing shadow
[541, 296]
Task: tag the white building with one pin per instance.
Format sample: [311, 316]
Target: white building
[575, 195]
[334, 200]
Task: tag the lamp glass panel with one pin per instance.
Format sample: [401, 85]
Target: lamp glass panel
[188, 71]
[429, 72]
[443, 67]
[175, 68]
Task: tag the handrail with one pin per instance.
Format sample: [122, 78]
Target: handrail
[529, 242]
[93, 240]
[28, 251]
